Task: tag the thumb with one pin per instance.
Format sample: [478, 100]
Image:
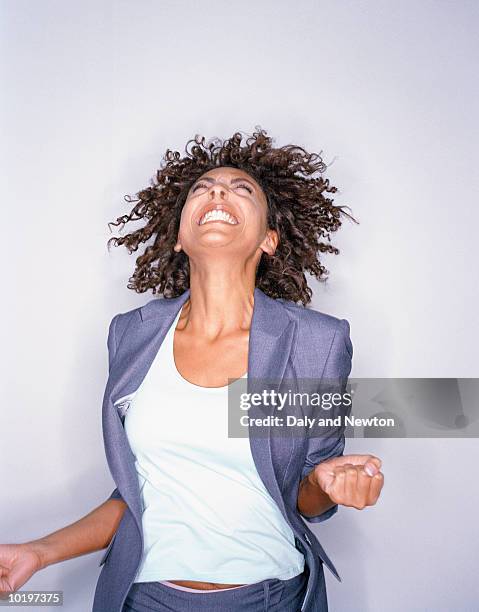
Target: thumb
[371, 463]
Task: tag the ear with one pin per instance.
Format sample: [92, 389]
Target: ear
[270, 242]
[177, 246]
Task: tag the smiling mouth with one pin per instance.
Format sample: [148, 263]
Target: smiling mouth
[218, 215]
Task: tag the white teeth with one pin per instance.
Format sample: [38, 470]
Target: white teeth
[218, 215]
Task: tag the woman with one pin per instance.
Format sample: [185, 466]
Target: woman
[200, 520]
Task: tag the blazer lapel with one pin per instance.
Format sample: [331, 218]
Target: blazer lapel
[131, 363]
[271, 339]
[272, 334]
[145, 335]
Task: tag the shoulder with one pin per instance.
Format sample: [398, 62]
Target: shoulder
[154, 307]
[320, 330]
[322, 341]
[312, 324]
[310, 319]
[120, 322]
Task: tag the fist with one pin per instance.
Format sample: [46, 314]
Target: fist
[18, 563]
[350, 480]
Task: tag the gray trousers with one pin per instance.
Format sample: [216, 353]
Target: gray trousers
[271, 595]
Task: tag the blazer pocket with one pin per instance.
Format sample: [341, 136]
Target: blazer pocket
[107, 551]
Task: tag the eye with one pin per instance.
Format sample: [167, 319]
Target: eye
[238, 186]
[244, 186]
[198, 186]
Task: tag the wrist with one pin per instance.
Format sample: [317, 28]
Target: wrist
[315, 481]
[312, 479]
[312, 498]
[43, 552]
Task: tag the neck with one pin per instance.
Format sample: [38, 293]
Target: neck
[220, 301]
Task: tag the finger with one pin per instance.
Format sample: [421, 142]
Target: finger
[351, 486]
[377, 462]
[362, 460]
[346, 465]
[364, 485]
[338, 484]
[377, 483]
[370, 468]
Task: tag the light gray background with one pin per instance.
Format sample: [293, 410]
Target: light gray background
[93, 93]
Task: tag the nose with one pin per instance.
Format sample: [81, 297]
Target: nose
[218, 189]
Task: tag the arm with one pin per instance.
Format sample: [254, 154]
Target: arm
[329, 477]
[314, 503]
[90, 533]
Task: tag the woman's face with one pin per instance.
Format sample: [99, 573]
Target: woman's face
[225, 209]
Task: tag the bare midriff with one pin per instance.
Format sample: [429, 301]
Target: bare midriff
[205, 586]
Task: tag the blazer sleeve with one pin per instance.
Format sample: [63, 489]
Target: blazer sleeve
[338, 367]
[112, 345]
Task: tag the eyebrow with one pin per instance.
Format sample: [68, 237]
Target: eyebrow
[235, 180]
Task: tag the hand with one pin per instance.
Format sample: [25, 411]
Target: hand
[18, 563]
[350, 480]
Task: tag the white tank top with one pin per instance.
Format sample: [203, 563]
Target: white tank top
[207, 515]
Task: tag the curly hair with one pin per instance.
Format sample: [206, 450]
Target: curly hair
[298, 209]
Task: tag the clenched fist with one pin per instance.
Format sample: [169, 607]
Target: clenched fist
[350, 480]
[18, 563]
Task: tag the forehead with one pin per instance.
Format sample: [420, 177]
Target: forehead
[228, 174]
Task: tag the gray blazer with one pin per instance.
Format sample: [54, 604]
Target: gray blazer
[286, 341]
